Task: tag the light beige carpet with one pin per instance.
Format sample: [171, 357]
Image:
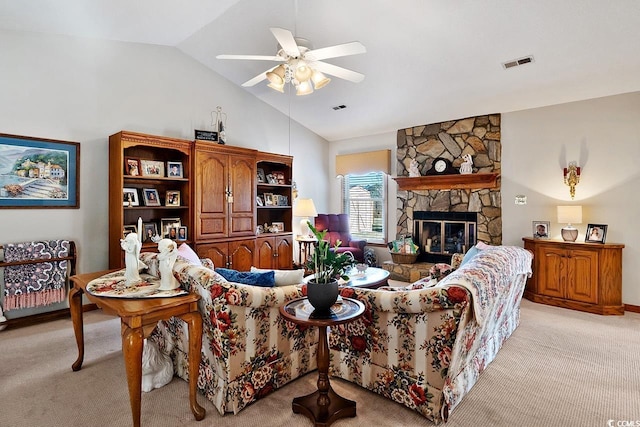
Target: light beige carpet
[560, 368]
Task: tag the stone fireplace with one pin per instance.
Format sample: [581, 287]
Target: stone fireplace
[478, 136]
[441, 234]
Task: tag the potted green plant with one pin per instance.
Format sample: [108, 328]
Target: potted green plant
[328, 266]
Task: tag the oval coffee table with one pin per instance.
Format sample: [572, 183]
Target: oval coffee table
[323, 406]
[372, 278]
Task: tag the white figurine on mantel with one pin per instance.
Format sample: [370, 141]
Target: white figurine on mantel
[413, 168]
[168, 252]
[131, 245]
[467, 166]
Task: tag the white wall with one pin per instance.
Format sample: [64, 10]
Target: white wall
[602, 135]
[84, 90]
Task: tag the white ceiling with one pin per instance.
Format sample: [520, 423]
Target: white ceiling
[427, 60]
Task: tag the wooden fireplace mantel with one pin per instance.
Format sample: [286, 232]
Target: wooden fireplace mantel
[471, 181]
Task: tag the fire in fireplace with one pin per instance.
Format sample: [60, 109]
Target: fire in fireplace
[441, 234]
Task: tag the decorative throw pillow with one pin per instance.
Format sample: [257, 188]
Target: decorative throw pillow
[283, 277]
[189, 254]
[473, 251]
[265, 280]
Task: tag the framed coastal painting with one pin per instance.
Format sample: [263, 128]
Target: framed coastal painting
[39, 173]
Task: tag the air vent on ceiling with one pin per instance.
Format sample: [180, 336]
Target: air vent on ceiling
[516, 62]
[339, 107]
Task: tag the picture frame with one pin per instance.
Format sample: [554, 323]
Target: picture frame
[150, 230]
[129, 229]
[27, 161]
[131, 166]
[596, 233]
[541, 229]
[268, 199]
[271, 179]
[152, 168]
[259, 201]
[150, 197]
[174, 170]
[261, 176]
[182, 233]
[167, 223]
[279, 177]
[172, 198]
[279, 226]
[173, 233]
[130, 197]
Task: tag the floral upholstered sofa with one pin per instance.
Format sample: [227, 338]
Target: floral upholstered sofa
[424, 346]
[248, 350]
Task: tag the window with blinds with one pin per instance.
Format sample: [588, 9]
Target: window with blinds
[364, 200]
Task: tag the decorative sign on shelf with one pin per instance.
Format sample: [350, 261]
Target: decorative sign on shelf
[205, 135]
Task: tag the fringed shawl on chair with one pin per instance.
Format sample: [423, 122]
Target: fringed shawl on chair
[35, 282]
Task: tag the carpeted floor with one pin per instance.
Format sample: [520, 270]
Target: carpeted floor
[560, 368]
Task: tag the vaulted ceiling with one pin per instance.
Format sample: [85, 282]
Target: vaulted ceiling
[427, 60]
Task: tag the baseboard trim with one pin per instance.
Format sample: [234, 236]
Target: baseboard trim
[34, 319]
[632, 308]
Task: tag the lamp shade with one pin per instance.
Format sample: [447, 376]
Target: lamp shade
[570, 214]
[305, 208]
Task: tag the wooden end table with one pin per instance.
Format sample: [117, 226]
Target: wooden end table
[138, 318]
[323, 406]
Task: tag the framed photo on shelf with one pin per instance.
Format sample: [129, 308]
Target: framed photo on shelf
[150, 230]
[172, 198]
[174, 169]
[150, 197]
[268, 199]
[279, 226]
[132, 166]
[130, 197]
[182, 233]
[596, 233]
[167, 223]
[279, 176]
[173, 233]
[271, 179]
[152, 168]
[261, 176]
[259, 201]
[129, 229]
[541, 229]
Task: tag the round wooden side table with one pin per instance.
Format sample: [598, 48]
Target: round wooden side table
[324, 406]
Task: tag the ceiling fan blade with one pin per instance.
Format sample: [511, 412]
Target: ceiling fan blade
[257, 79]
[336, 51]
[286, 40]
[252, 57]
[340, 72]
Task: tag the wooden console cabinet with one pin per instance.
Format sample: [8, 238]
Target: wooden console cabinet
[579, 276]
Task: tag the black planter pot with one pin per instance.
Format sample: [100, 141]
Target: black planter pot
[322, 295]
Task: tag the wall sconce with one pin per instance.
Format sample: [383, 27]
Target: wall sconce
[572, 177]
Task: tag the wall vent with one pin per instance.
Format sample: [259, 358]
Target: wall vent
[517, 62]
[339, 107]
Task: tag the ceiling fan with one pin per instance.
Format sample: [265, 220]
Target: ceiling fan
[301, 65]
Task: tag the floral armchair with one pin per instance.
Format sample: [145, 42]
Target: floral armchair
[424, 346]
[248, 350]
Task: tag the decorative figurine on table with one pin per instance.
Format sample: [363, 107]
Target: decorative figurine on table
[467, 166]
[168, 252]
[131, 245]
[413, 168]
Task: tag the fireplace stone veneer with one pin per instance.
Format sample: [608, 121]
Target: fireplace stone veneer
[478, 136]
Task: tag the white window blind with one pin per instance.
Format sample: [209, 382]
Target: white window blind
[364, 200]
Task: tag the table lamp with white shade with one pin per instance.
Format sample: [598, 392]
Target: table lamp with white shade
[304, 208]
[570, 215]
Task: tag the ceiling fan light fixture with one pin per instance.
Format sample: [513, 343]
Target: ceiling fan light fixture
[319, 80]
[303, 72]
[278, 87]
[276, 76]
[304, 88]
